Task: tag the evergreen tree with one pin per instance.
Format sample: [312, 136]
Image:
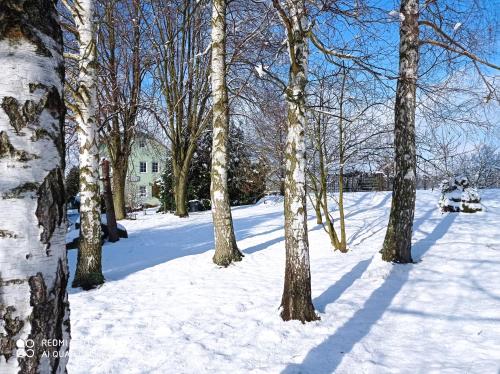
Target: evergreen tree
[199, 173]
[166, 188]
[246, 172]
[72, 183]
[457, 195]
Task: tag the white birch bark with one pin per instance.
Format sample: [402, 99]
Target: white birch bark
[397, 243]
[296, 302]
[33, 264]
[88, 273]
[226, 250]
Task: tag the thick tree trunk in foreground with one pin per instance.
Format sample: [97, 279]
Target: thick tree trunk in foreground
[88, 271]
[296, 302]
[397, 243]
[226, 250]
[108, 200]
[33, 264]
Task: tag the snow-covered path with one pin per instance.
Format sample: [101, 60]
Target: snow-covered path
[167, 309]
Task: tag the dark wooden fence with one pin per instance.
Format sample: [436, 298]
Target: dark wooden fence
[354, 182]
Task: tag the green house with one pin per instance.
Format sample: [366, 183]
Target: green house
[146, 162]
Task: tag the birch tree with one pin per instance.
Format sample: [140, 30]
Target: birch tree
[397, 242]
[181, 44]
[226, 249]
[33, 264]
[296, 302]
[89, 269]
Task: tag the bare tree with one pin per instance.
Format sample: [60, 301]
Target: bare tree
[397, 243]
[123, 61]
[180, 40]
[269, 119]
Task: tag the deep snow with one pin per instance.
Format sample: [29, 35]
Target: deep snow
[166, 308]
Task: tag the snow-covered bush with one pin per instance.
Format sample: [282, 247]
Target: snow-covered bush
[458, 196]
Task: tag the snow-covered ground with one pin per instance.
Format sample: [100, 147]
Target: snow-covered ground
[166, 308]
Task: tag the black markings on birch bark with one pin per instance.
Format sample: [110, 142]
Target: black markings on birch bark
[46, 304]
[397, 243]
[50, 208]
[33, 301]
[89, 270]
[8, 150]
[8, 234]
[20, 191]
[296, 301]
[12, 325]
[226, 250]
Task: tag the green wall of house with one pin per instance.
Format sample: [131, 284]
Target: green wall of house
[140, 181]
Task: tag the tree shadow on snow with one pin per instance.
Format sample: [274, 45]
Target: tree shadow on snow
[161, 244]
[327, 356]
[261, 246]
[350, 214]
[337, 289]
[370, 208]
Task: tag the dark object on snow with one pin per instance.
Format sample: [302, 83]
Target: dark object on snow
[458, 196]
[195, 206]
[122, 233]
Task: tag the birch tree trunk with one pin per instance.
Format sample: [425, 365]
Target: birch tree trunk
[226, 250]
[33, 264]
[397, 243]
[88, 271]
[296, 302]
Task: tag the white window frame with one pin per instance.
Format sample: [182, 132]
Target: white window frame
[153, 163]
[145, 193]
[145, 167]
[142, 144]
